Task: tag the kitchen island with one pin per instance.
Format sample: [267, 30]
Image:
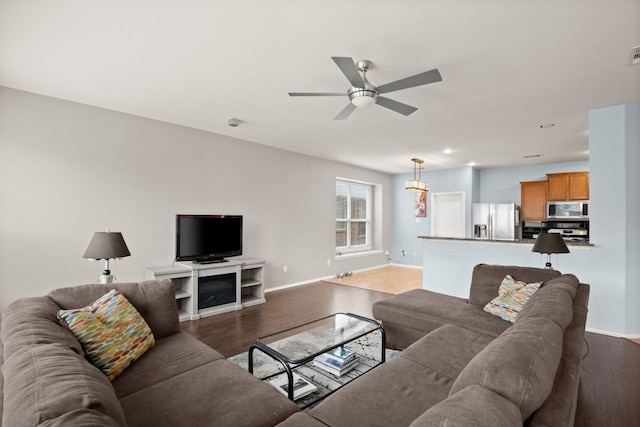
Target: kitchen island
[447, 263]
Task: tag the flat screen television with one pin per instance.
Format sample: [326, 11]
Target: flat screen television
[208, 238]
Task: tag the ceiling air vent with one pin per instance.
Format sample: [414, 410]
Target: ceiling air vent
[635, 55]
[531, 156]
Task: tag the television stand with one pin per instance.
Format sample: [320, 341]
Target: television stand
[186, 276]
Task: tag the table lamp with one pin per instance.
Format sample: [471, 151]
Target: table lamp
[550, 243]
[106, 245]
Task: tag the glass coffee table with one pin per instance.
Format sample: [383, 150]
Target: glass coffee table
[299, 346]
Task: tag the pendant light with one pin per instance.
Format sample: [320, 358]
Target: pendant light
[417, 184]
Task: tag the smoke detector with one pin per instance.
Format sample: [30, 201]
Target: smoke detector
[634, 58]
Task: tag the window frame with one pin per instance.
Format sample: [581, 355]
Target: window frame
[349, 222]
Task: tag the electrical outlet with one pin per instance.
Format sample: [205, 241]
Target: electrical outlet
[415, 255]
[329, 261]
[284, 268]
[404, 253]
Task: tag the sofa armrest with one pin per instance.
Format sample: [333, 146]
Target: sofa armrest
[471, 406]
[155, 300]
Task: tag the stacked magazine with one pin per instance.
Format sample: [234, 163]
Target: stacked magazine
[337, 361]
[301, 386]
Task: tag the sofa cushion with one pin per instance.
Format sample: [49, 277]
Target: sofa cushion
[471, 406]
[82, 418]
[154, 300]
[111, 331]
[425, 311]
[48, 382]
[512, 296]
[218, 393]
[553, 302]
[392, 394]
[171, 356]
[33, 321]
[301, 419]
[448, 349]
[520, 364]
[486, 280]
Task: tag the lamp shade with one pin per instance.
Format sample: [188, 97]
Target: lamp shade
[416, 185]
[106, 245]
[550, 243]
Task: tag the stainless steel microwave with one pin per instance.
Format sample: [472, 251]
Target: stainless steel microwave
[578, 209]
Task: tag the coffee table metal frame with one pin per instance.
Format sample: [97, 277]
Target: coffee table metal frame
[288, 362]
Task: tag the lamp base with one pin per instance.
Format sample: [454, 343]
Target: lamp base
[105, 278]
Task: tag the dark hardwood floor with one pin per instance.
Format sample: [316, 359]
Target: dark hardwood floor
[609, 394]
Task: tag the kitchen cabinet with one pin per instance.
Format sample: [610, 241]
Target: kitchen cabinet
[568, 186]
[533, 200]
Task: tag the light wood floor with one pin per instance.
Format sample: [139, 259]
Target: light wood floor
[391, 279]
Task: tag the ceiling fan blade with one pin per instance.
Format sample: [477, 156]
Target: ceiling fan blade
[346, 112]
[427, 77]
[348, 68]
[317, 93]
[396, 106]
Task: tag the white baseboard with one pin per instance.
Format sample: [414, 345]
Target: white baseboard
[613, 334]
[395, 264]
[319, 279]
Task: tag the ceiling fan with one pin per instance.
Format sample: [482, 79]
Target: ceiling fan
[362, 93]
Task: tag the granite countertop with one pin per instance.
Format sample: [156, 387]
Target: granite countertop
[521, 241]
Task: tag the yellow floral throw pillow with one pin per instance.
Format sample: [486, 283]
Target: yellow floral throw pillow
[112, 332]
[511, 298]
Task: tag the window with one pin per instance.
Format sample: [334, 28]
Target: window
[353, 216]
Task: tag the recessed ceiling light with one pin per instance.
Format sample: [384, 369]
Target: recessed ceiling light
[472, 163]
[447, 151]
[547, 125]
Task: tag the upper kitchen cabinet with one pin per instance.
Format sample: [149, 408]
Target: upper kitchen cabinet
[533, 200]
[568, 186]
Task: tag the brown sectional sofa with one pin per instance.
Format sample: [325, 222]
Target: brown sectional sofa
[464, 367]
[460, 366]
[179, 382]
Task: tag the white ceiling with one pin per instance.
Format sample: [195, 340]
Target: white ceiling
[508, 66]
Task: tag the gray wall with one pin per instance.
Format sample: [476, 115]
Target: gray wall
[68, 170]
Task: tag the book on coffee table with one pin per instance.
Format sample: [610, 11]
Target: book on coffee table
[301, 386]
[334, 366]
[342, 355]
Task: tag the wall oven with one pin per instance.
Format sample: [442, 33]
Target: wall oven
[570, 210]
[576, 230]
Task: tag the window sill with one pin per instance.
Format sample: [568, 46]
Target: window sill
[347, 255]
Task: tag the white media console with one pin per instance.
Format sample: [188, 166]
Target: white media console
[208, 289]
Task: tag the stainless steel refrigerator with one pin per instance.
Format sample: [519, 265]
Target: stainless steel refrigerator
[496, 221]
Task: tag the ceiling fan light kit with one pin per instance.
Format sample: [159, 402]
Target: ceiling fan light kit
[362, 93]
[362, 97]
